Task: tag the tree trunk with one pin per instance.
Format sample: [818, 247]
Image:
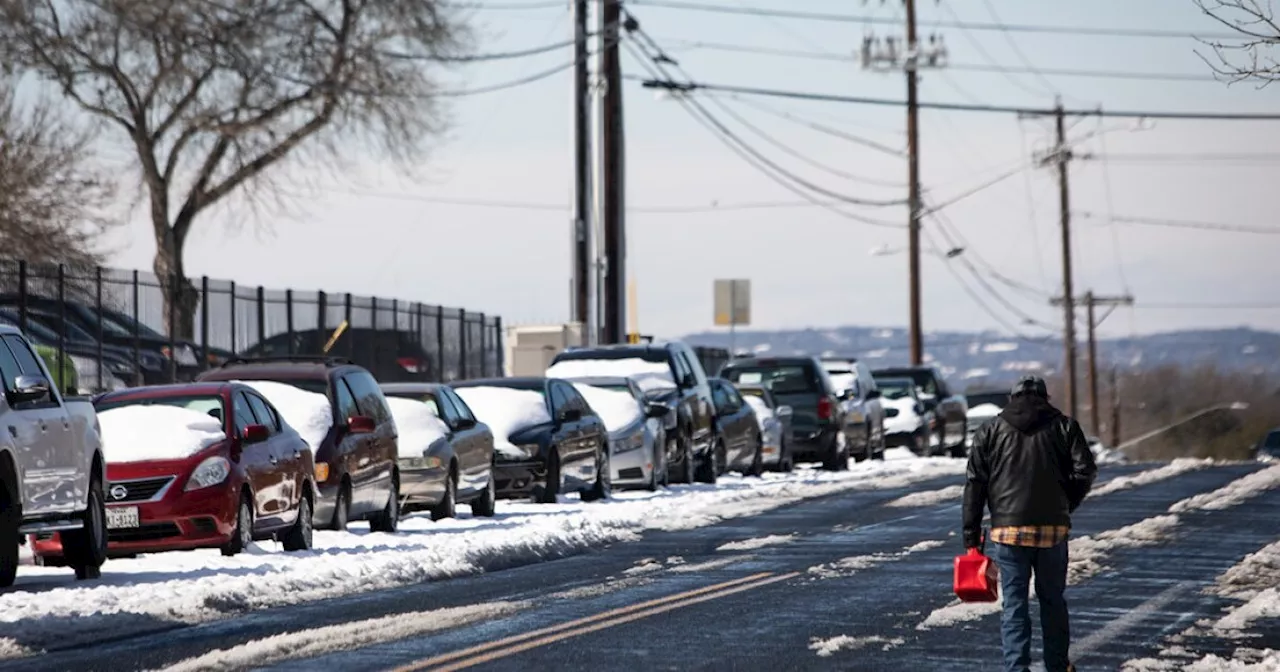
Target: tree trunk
[179, 292]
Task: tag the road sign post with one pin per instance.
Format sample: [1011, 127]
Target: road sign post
[732, 307]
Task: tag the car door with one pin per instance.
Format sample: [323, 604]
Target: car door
[745, 425]
[376, 453]
[285, 455]
[569, 433]
[257, 460]
[733, 418]
[591, 433]
[350, 446]
[470, 444]
[66, 471]
[34, 452]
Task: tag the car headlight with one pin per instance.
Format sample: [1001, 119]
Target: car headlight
[210, 472]
[421, 462]
[633, 442]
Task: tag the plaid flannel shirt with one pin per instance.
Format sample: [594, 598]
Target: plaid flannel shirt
[1032, 536]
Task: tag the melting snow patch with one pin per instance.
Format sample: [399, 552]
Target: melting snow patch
[343, 637]
[929, 497]
[1233, 493]
[828, 647]
[857, 563]
[1243, 660]
[1174, 468]
[759, 542]
[1254, 579]
[12, 649]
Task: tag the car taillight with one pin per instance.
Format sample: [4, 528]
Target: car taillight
[411, 364]
[824, 408]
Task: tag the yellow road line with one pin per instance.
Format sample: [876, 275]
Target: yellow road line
[508, 646]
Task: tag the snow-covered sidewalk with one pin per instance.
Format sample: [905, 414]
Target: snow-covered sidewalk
[47, 606]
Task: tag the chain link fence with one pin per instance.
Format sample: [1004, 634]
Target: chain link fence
[116, 329]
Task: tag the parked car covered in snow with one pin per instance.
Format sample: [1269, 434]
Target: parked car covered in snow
[949, 409]
[446, 453]
[860, 398]
[775, 426]
[547, 439]
[199, 465]
[354, 439]
[637, 433]
[907, 423]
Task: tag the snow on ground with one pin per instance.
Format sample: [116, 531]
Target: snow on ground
[156, 432]
[929, 497]
[1255, 580]
[1233, 493]
[345, 636]
[506, 410]
[828, 647]
[758, 542]
[850, 566]
[308, 413]
[417, 426]
[47, 606]
[617, 409]
[1174, 468]
[1242, 660]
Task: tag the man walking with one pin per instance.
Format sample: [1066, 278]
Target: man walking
[1032, 467]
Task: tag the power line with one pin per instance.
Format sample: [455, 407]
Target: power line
[977, 46]
[1187, 224]
[474, 58]
[958, 107]
[714, 206]
[971, 67]
[966, 25]
[1182, 305]
[1173, 157]
[513, 6]
[822, 128]
[1004, 30]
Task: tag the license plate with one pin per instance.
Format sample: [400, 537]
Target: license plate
[121, 517]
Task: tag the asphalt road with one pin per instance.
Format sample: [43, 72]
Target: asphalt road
[845, 565]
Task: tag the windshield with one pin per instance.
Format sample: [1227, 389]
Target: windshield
[209, 404]
[923, 379]
[786, 379]
[50, 323]
[895, 388]
[424, 397]
[120, 324]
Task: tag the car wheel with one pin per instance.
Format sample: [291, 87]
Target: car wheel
[9, 523]
[86, 549]
[487, 503]
[342, 508]
[388, 519]
[867, 449]
[684, 449]
[655, 481]
[757, 462]
[836, 454]
[448, 506]
[603, 487]
[961, 449]
[547, 492]
[879, 455]
[300, 536]
[708, 469]
[242, 537]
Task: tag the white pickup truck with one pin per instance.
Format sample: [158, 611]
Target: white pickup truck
[51, 466]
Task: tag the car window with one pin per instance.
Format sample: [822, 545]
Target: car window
[244, 415]
[779, 379]
[449, 410]
[369, 397]
[345, 400]
[679, 366]
[695, 368]
[720, 396]
[264, 413]
[1273, 440]
[575, 400]
[559, 398]
[9, 368]
[459, 405]
[28, 365]
[732, 395]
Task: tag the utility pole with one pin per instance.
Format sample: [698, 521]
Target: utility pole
[613, 203]
[1115, 408]
[1091, 302]
[1062, 155]
[581, 291]
[878, 53]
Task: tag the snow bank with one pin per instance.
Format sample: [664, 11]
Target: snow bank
[849, 566]
[1245, 660]
[1174, 468]
[417, 425]
[763, 413]
[505, 411]
[308, 413]
[929, 497]
[828, 647]
[144, 433]
[759, 542]
[648, 375]
[617, 409]
[1233, 493]
[49, 607]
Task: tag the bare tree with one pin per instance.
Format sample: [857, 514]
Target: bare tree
[218, 96]
[1250, 57]
[55, 198]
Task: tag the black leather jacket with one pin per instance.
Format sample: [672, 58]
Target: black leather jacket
[1031, 466]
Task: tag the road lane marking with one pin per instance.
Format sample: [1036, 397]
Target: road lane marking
[1135, 616]
[480, 648]
[600, 625]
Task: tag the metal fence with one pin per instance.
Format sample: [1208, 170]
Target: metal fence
[126, 316]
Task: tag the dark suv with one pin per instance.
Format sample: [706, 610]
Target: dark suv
[694, 449]
[356, 463]
[817, 417]
[392, 356]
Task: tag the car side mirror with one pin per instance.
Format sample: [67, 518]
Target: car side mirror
[27, 389]
[255, 434]
[689, 380]
[361, 424]
[463, 424]
[570, 415]
[656, 411]
[783, 410]
[874, 394]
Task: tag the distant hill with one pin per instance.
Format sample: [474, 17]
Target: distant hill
[989, 358]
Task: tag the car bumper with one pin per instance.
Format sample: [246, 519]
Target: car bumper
[203, 518]
[422, 485]
[514, 480]
[633, 468]
[812, 445]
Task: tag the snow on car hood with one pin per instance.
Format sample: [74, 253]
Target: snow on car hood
[906, 420]
[144, 433]
[648, 375]
[308, 413]
[619, 410]
[506, 411]
[763, 413]
[984, 411]
[417, 426]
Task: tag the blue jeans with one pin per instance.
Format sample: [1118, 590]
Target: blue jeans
[1017, 564]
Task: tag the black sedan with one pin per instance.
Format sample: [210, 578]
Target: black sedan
[547, 440]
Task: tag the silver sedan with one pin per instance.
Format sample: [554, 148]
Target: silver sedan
[637, 438]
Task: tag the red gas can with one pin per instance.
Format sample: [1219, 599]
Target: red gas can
[977, 578]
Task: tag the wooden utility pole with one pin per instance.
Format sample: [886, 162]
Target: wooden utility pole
[1062, 156]
[1091, 302]
[913, 191]
[613, 205]
[581, 291]
[1115, 408]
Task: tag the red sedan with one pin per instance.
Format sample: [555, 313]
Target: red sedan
[252, 480]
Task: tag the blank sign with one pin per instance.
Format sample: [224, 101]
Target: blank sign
[732, 302]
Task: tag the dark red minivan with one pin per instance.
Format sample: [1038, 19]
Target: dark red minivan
[256, 482]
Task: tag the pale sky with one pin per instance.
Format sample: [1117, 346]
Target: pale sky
[808, 266]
